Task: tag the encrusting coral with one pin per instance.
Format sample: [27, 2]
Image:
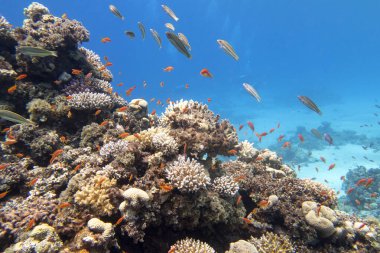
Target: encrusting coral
[99, 174]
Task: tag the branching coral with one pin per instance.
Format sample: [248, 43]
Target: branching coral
[247, 152]
[187, 175]
[96, 194]
[164, 143]
[225, 186]
[112, 148]
[96, 64]
[191, 245]
[90, 101]
[271, 242]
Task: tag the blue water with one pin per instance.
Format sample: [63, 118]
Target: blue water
[327, 50]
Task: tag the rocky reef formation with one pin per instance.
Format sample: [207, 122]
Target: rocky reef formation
[93, 173]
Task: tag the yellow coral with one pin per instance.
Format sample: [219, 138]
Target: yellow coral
[96, 195]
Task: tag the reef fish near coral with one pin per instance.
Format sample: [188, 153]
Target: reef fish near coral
[178, 44]
[36, 51]
[142, 29]
[14, 117]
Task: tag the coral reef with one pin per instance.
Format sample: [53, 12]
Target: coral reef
[94, 173]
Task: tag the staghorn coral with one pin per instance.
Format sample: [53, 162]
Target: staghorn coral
[96, 195]
[187, 175]
[114, 148]
[90, 101]
[94, 60]
[42, 239]
[225, 186]
[193, 124]
[270, 242]
[188, 245]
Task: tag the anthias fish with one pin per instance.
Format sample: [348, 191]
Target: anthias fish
[156, 37]
[116, 12]
[252, 91]
[184, 40]
[170, 12]
[177, 43]
[228, 49]
[142, 29]
[310, 104]
[36, 51]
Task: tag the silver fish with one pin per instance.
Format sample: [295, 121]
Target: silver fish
[156, 37]
[130, 34]
[170, 12]
[310, 104]
[228, 49]
[116, 12]
[36, 51]
[177, 43]
[252, 91]
[185, 41]
[142, 29]
[316, 133]
[170, 26]
[14, 117]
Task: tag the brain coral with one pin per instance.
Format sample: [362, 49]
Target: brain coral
[187, 175]
[193, 123]
[189, 245]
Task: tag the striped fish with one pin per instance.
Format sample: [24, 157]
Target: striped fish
[169, 12]
[156, 37]
[252, 91]
[228, 49]
[185, 41]
[142, 29]
[177, 43]
[116, 12]
[310, 104]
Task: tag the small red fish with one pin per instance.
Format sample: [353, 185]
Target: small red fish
[374, 195]
[120, 84]
[241, 127]
[361, 181]
[300, 137]
[108, 64]
[129, 91]
[32, 182]
[31, 224]
[232, 152]
[137, 136]
[271, 130]
[322, 159]
[77, 168]
[22, 76]
[248, 221]
[263, 203]
[350, 190]
[12, 89]
[97, 112]
[168, 69]
[162, 84]
[357, 202]
[187, 86]
[206, 73]
[238, 200]
[123, 135]
[3, 194]
[122, 109]
[286, 145]
[166, 187]
[369, 182]
[250, 124]
[88, 75]
[105, 40]
[209, 100]
[76, 71]
[120, 220]
[4, 166]
[280, 138]
[10, 142]
[104, 123]
[63, 205]
[332, 166]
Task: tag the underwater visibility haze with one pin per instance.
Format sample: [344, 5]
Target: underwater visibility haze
[189, 126]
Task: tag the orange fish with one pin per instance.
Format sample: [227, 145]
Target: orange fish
[22, 76]
[286, 145]
[322, 159]
[240, 178]
[12, 89]
[122, 109]
[300, 136]
[120, 84]
[187, 86]
[69, 114]
[159, 102]
[105, 40]
[4, 166]
[232, 152]
[241, 127]
[357, 202]
[374, 195]
[129, 91]
[153, 112]
[31, 224]
[102, 68]
[104, 123]
[280, 138]
[76, 71]
[238, 200]
[88, 75]
[63, 205]
[206, 73]
[63, 139]
[20, 155]
[169, 69]
[332, 166]
[55, 155]
[248, 221]
[350, 190]
[361, 181]
[259, 158]
[108, 64]
[172, 249]
[369, 182]
[3, 194]
[97, 112]
[5, 130]
[209, 100]
[137, 136]
[105, 58]
[271, 130]
[77, 168]
[123, 135]
[99, 183]
[166, 187]
[69, 97]
[32, 182]
[251, 125]
[120, 220]
[168, 101]
[263, 203]
[185, 149]
[10, 142]
[162, 84]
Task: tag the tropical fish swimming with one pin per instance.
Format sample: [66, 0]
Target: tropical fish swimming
[328, 138]
[130, 34]
[310, 104]
[252, 91]
[185, 41]
[177, 43]
[169, 12]
[228, 48]
[142, 29]
[156, 37]
[116, 12]
[36, 51]
[14, 117]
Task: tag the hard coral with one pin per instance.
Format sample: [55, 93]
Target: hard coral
[191, 245]
[90, 101]
[225, 186]
[271, 242]
[96, 64]
[187, 175]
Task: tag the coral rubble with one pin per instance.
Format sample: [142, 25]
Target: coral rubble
[95, 173]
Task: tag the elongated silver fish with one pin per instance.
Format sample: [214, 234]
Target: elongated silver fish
[142, 29]
[228, 48]
[156, 37]
[170, 26]
[170, 12]
[177, 43]
[252, 91]
[116, 12]
[36, 51]
[310, 104]
[185, 41]
[14, 117]
[316, 133]
[130, 34]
